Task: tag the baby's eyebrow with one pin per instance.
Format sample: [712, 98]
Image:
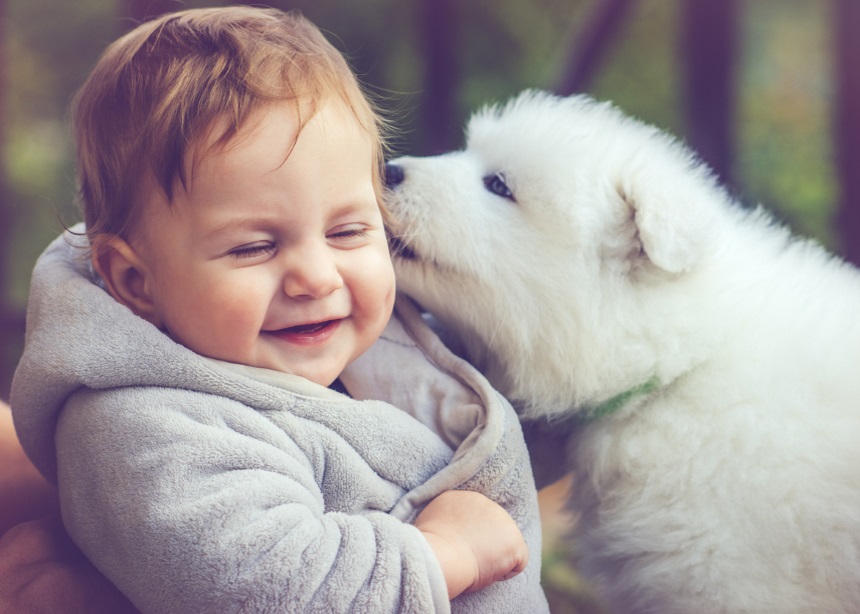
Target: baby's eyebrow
[355, 200]
[353, 206]
[237, 224]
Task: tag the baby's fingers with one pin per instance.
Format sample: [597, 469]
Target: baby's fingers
[507, 561]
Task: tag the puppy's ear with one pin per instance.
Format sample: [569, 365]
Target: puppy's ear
[670, 229]
[126, 277]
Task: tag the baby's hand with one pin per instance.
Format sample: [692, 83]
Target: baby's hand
[475, 539]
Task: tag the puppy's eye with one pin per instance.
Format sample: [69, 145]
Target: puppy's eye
[495, 183]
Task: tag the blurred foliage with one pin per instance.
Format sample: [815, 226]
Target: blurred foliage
[785, 157]
[642, 74]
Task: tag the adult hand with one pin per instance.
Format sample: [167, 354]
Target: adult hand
[41, 570]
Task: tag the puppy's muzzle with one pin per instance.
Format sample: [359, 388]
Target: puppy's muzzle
[394, 176]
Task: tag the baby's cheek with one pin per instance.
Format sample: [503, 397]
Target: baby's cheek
[245, 316]
[231, 324]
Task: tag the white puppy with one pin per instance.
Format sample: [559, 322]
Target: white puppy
[594, 270]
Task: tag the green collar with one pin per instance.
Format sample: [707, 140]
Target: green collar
[612, 405]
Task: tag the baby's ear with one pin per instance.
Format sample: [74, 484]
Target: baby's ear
[126, 277]
[670, 216]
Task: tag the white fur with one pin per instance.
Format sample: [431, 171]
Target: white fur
[735, 487]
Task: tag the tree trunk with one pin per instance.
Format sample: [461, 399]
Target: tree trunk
[591, 44]
[847, 125]
[11, 322]
[709, 41]
[438, 22]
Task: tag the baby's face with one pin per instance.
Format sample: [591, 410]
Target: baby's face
[273, 257]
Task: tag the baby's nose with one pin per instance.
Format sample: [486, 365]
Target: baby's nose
[312, 273]
[394, 175]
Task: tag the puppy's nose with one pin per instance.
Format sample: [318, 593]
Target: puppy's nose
[393, 175]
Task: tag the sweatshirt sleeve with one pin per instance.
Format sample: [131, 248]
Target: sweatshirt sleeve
[206, 507]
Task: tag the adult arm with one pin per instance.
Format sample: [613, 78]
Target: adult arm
[25, 494]
[41, 570]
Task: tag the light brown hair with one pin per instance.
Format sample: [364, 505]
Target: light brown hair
[157, 93]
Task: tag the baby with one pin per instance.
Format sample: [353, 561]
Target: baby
[200, 389]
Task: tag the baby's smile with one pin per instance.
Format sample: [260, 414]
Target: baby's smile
[312, 333]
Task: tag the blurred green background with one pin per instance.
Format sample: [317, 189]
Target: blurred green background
[434, 61]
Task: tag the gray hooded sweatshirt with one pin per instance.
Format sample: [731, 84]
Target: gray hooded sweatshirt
[201, 486]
